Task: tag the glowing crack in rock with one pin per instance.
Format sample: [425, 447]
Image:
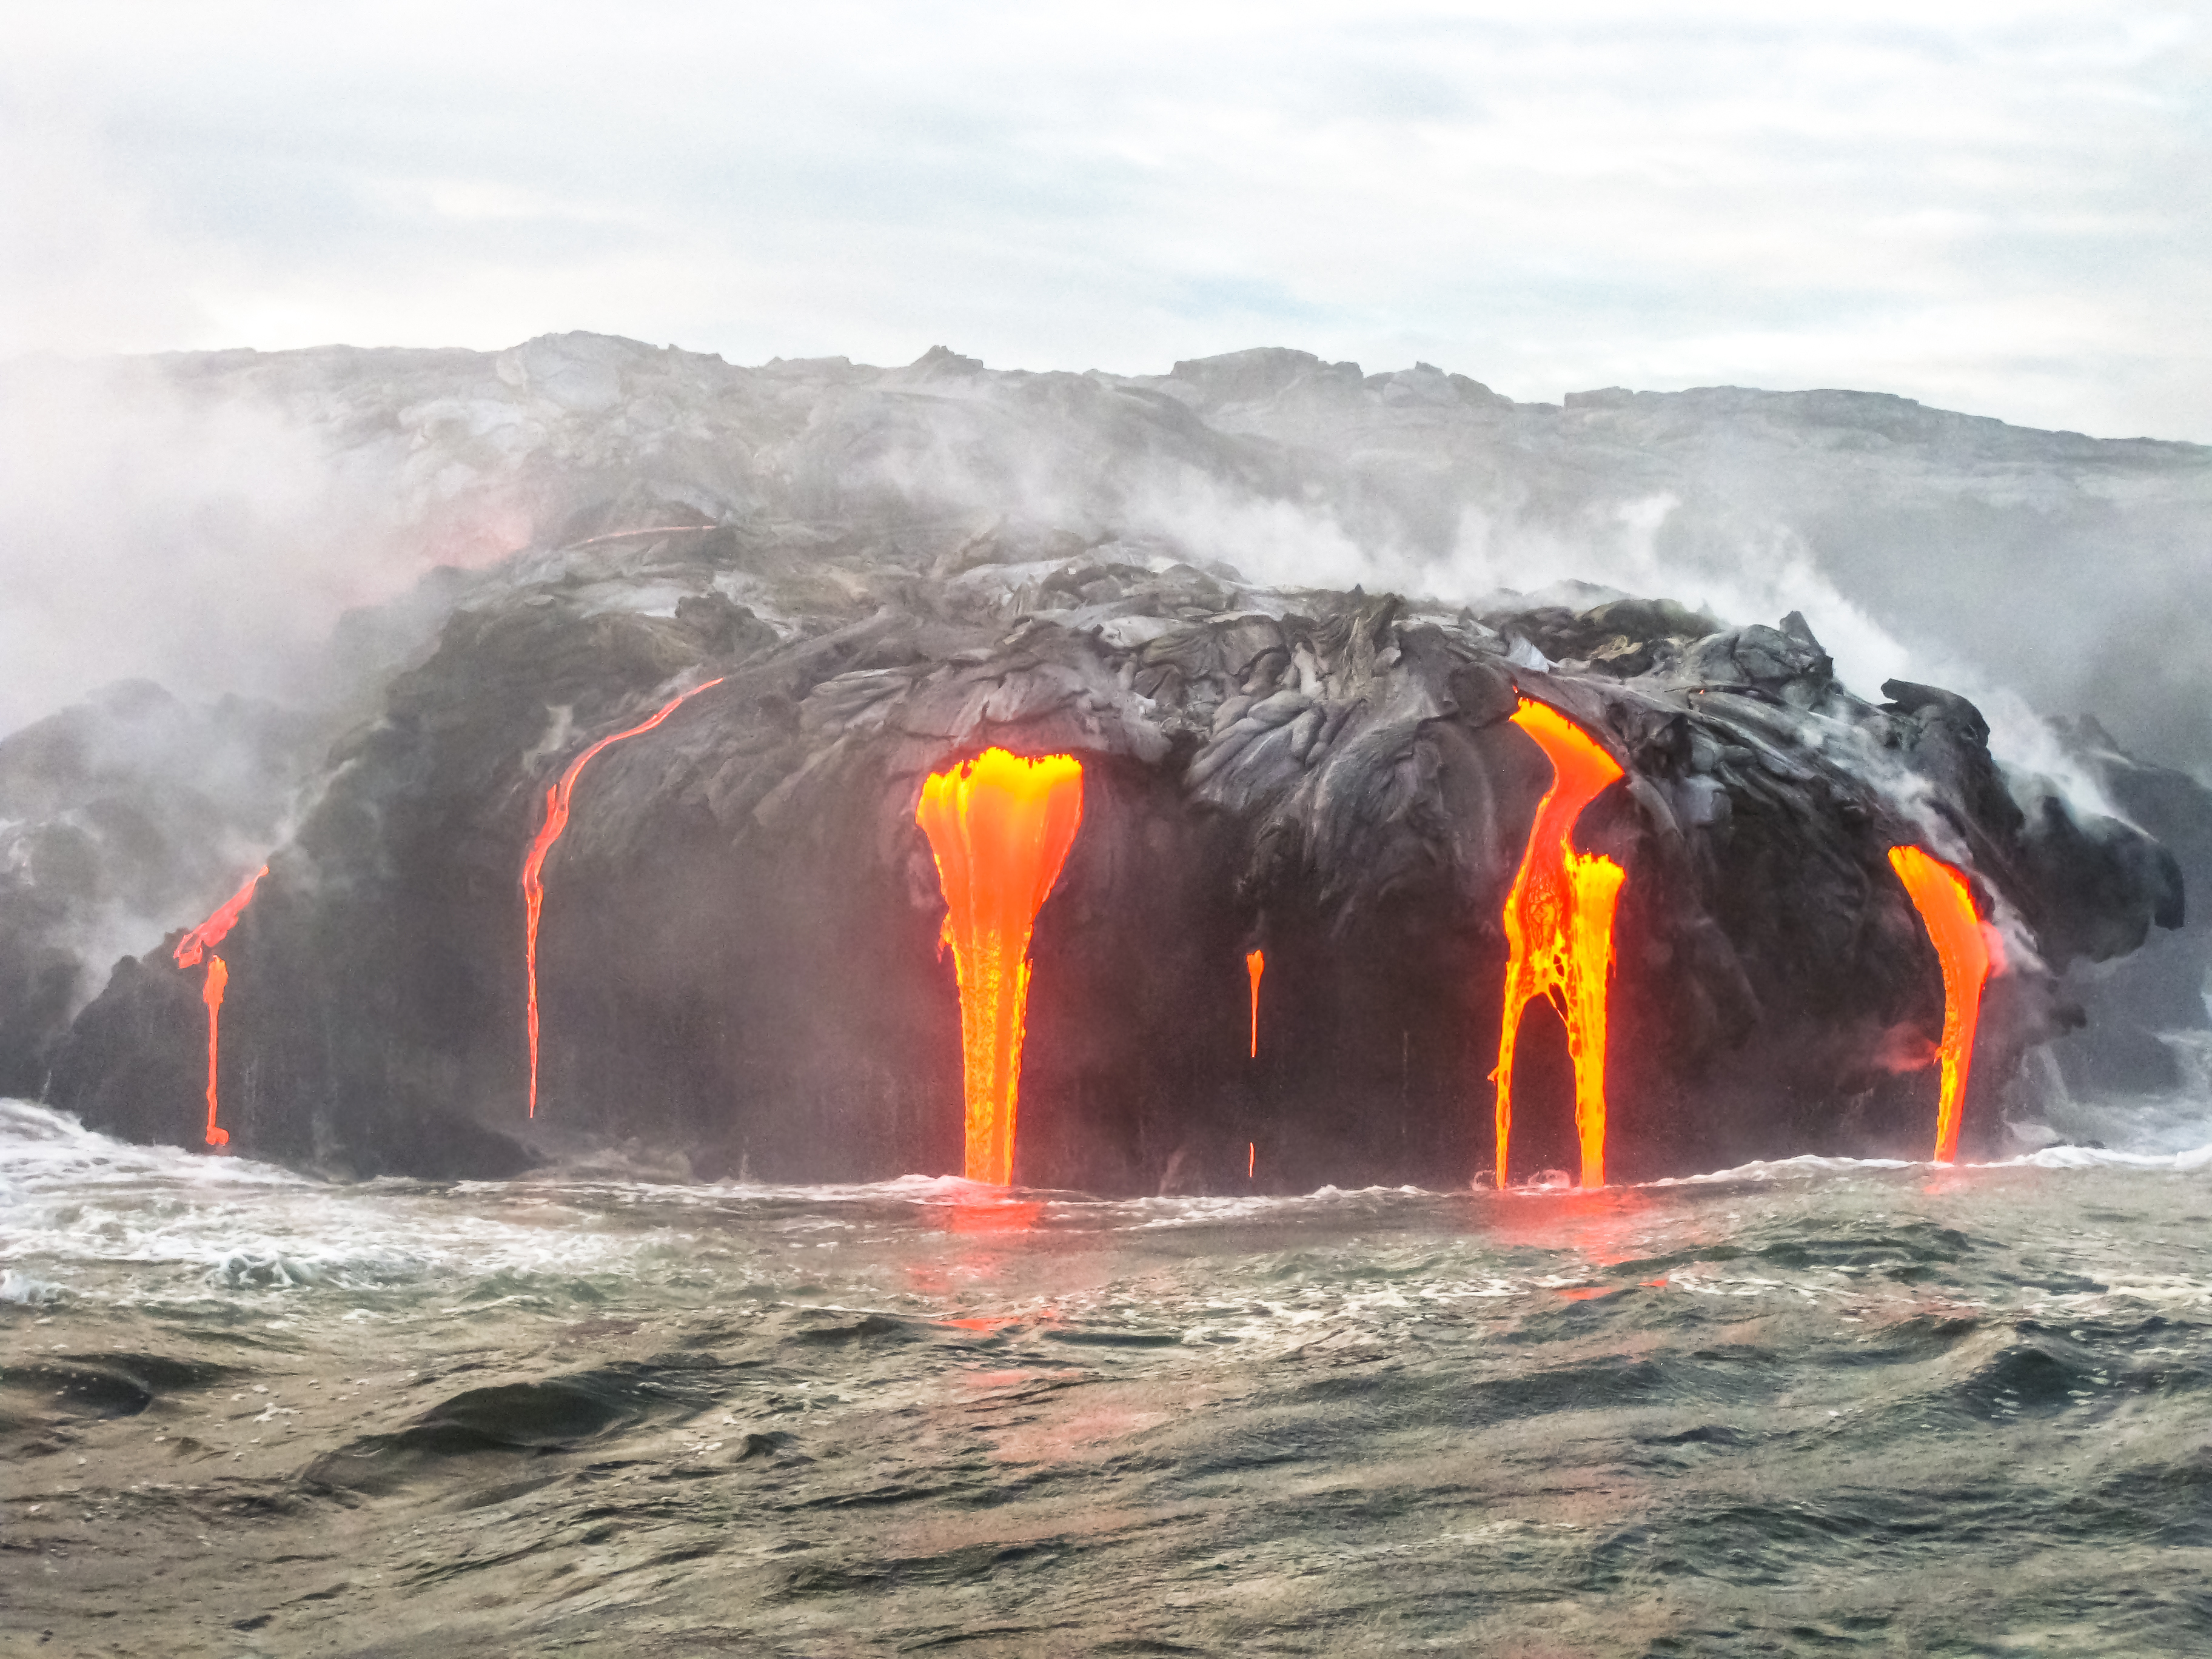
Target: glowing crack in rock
[1000, 827]
[200, 944]
[1255, 963]
[557, 799]
[1962, 943]
[1559, 925]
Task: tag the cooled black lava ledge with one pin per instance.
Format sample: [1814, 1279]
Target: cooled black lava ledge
[739, 965]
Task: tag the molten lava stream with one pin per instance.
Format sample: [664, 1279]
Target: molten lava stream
[1946, 904]
[557, 820]
[1559, 925]
[1000, 827]
[218, 976]
[191, 948]
[216, 928]
[1255, 963]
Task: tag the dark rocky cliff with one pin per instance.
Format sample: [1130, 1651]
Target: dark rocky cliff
[893, 568]
[739, 969]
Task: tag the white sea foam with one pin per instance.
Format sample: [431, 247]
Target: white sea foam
[73, 1200]
[82, 1215]
[1810, 1166]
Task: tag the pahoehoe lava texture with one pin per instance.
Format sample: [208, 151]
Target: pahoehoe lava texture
[739, 969]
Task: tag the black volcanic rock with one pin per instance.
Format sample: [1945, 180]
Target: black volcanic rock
[738, 956]
[118, 816]
[2133, 1007]
[890, 568]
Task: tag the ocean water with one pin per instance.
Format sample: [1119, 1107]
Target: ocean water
[1809, 1407]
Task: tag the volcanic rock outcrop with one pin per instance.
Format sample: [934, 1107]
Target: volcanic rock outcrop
[116, 816]
[738, 964]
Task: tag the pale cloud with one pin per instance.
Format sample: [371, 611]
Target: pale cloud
[2002, 208]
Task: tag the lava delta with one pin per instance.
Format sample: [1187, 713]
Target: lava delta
[814, 772]
[1673, 873]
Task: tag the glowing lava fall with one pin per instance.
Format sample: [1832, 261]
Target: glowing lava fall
[1000, 827]
[1946, 904]
[1255, 963]
[218, 977]
[201, 943]
[1559, 925]
[557, 800]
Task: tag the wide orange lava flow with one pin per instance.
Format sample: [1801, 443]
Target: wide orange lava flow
[1255, 963]
[191, 950]
[1559, 923]
[1001, 826]
[218, 977]
[557, 820]
[1946, 904]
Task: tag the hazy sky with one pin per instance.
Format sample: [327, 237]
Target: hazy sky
[2000, 208]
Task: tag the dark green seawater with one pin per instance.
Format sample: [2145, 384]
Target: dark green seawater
[1815, 1408]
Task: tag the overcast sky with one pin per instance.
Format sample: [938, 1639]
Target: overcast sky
[2002, 208]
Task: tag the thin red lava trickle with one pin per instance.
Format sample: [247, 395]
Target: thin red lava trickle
[557, 820]
[191, 950]
[1255, 963]
[216, 928]
[1946, 904]
[1559, 923]
[1000, 827]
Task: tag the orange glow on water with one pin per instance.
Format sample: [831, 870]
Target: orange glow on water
[1946, 904]
[1559, 925]
[216, 928]
[557, 800]
[985, 1216]
[1255, 963]
[218, 977]
[1001, 827]
[1604, 1228]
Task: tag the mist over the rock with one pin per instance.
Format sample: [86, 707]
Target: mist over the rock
[228, 506]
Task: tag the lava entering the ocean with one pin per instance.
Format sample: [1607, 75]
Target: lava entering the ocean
[1000, 827]
[218, 977]
[1255, 963]
[557, 819]
[191, 948]
[1559, 923]
[1946, 904]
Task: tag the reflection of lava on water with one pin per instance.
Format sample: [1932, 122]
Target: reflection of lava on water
[1608, 1226]
[1001, 827]
[557, 800]
[1963, 947]
[1559, 924]
[992, 1216]
[201, 942]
